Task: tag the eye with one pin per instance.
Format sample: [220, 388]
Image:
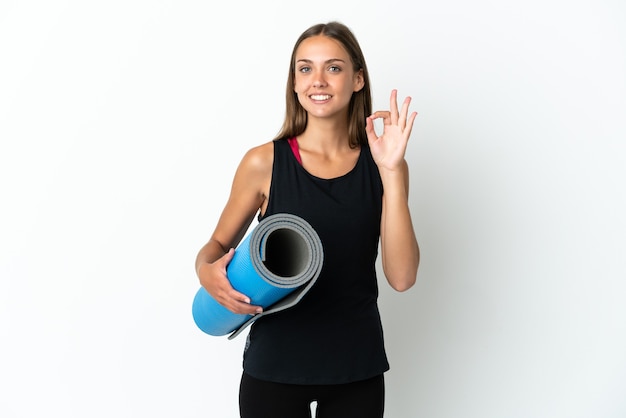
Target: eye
[304, 69]
[334, 69]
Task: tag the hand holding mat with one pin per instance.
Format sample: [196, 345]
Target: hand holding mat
[275, 265]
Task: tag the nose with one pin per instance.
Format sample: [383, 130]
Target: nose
[320, 80]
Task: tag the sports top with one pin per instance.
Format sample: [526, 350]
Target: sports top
[334, 334]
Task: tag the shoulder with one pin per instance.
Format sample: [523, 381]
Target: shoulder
[259, 158]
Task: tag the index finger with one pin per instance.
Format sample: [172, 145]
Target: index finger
[384, 114]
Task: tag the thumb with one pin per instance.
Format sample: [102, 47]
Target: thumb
[226, 258]
[369, 130]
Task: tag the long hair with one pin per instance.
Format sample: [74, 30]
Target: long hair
[361, 102]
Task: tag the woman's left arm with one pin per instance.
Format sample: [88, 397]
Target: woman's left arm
[399, 248]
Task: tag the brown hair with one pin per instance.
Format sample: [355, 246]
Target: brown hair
[361, 102]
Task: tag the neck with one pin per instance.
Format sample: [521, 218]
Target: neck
[325, 133]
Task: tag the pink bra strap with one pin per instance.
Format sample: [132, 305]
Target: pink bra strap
[293, 143]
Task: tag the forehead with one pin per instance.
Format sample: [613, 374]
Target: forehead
[321, 47]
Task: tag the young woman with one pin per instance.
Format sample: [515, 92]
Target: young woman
[329, 166]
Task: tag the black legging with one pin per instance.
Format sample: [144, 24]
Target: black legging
[262, 399]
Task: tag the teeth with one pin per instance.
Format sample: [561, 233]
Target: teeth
[320, 97]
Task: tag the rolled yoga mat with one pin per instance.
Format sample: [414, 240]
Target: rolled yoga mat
[275, 266]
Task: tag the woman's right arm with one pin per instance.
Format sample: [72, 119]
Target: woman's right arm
[249, 192]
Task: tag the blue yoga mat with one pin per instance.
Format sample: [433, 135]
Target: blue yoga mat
[275, 265]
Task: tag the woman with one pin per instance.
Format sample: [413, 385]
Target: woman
[328, 166]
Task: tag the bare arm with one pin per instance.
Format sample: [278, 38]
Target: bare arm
[248, 194]
[399, 248]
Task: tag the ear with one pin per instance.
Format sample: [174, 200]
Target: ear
[359, 81]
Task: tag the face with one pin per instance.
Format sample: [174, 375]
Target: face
[324, 78]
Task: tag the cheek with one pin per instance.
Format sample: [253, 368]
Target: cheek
[298, 85]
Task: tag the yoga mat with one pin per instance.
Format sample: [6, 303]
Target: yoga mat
[275, 265]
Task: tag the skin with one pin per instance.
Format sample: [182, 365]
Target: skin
[324, 83]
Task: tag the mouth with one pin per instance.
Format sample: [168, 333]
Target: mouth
[320, 97]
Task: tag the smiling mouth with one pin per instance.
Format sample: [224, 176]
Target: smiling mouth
[320, 97]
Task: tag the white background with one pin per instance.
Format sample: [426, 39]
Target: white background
[121, 125]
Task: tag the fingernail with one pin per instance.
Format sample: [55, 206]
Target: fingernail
[259, 310]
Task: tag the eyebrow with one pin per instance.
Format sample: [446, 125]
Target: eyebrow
[308, 61]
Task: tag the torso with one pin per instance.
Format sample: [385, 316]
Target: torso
[315, 163]
[329, 166]
[333, 335]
